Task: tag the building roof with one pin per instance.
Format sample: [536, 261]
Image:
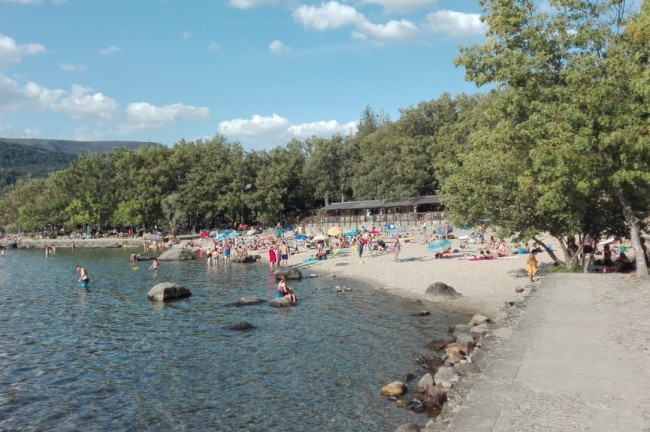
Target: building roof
[388, 203]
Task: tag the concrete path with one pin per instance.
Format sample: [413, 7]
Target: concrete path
[579, 360]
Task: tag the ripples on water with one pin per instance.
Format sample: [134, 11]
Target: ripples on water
[109, 359]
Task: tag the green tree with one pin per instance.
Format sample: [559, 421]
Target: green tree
[554, 158]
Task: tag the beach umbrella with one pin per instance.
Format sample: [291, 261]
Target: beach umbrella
[214, 233]
[301, 237]
[397, 230]
[250, 232]
[203, 234]
[232, 234]
[350, 233]
[374, 232]
[441, 230]
[439, 245]
[319, 237]
[288, 229]
[334, 231]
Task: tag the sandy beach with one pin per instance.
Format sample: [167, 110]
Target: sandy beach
[485, 285]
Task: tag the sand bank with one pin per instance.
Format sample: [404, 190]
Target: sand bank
[485, 285]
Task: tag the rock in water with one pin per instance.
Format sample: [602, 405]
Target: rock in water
[176, 255]
[292, 273]
[394, 389]
[281, 302]
[241, 326]
[439, 292]
[246, 260]
[245, 301]
[167, 291]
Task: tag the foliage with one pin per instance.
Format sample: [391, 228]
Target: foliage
[565, 149]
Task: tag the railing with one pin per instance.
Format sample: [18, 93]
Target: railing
[402, 220]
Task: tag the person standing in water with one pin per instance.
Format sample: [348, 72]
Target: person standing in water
[154, 265]
[83, 277]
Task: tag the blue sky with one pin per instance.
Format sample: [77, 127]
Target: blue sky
[260, 72]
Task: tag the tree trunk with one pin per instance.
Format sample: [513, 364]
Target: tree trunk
[635, 234]
[551, 253]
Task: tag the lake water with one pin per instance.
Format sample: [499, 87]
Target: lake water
[109, 359]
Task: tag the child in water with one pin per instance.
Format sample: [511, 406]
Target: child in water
[531, 265]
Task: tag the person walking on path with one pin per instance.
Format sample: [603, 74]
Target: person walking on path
[531, 265]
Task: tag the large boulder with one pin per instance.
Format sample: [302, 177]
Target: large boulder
[143, 257]
[439, 291]
[247, 259]
[176, 255]
[291, 272]
[167, 291]
[282, 302]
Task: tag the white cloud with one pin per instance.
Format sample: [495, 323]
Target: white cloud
[109, 51]
[11, 52]
[81, 104]
[323, 129]
[72, 68]
[329, 15]
[278, 48]
[393, 30]
[143, 115]
[334, 15]
[30, 96]
[186, 35]
[401, 6]
[259, 130]
[256, 126]
[457, 25]
[213, 47]
[247, 4]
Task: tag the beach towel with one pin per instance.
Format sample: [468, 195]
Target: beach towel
[409, 259]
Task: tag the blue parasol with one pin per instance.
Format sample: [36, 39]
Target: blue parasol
[439, 245]
[301, 237]
[441, 230]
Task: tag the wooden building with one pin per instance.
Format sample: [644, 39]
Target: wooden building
[399, 212]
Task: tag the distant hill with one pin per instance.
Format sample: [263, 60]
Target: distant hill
[73, 147]
[22, 158]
